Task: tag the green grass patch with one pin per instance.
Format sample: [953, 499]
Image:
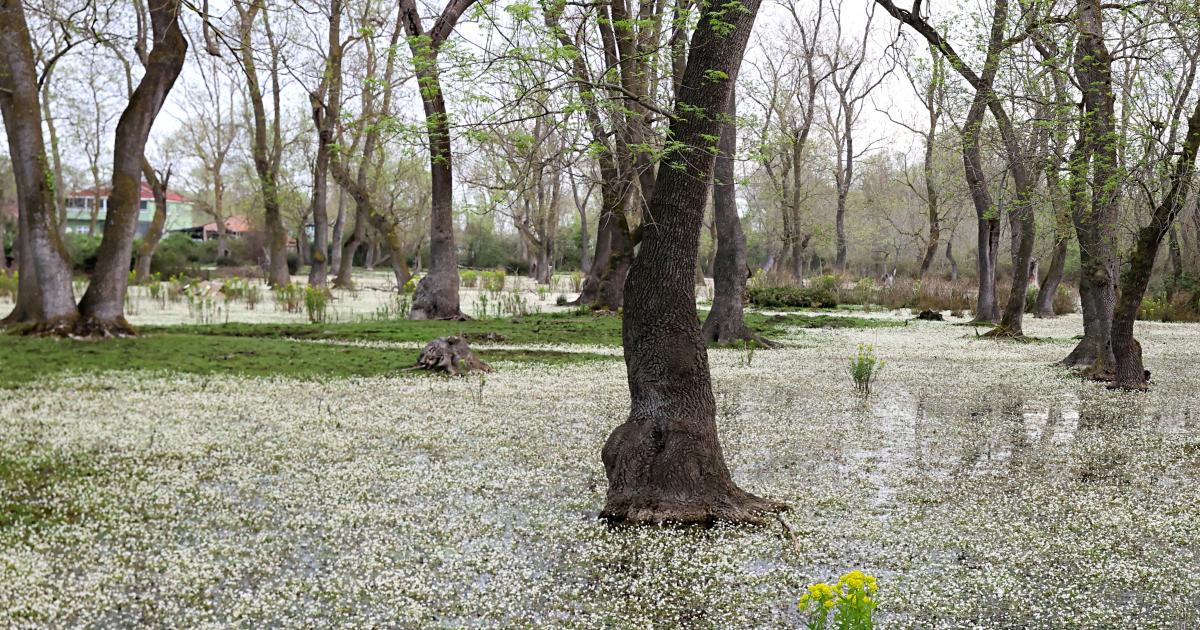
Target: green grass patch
[272, 349]
[191, 353]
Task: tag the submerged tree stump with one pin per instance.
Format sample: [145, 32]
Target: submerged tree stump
[451, 355]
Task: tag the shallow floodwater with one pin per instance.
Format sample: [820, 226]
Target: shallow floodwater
[983, 486]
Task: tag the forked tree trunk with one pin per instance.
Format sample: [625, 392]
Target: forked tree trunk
[665, 462]
[1044, 305]
[725, 323]
[154, 233]
[45, 299]
[951, 260]
[102, 309]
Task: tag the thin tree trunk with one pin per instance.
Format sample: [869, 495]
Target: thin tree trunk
[266, 150]
[102, 309]
[665, 462]
[45, 299]
[339, 232]
[952, 261]
[325, 117]
[154, 233]
[60, 193]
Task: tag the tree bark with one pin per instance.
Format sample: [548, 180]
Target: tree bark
[436, 296]
[265, 150]
[102, 309]
[154, 233]
[339, 232]
[45, 298]
[665, 463]
[326, 110]
[725, 324]
[1094, 170]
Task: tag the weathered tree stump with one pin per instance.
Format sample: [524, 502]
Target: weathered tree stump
[930, 316]
[451, 355]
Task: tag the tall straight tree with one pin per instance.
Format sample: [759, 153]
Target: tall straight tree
[665, 462]
[725, 323]
[266, 145]
[45, 299]
[436, 296]
[326, 110]
[102, 309]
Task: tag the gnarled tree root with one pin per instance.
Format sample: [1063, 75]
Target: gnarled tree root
[61, 327]
[95, 328]
[723, 337]
[1004, 333]
[451, 355]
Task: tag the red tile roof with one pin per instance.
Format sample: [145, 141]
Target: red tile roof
[147, 193]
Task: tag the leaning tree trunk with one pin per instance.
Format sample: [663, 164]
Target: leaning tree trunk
[154, 233]
[665, 462]
[102, 309]
[951, 260]
[45, 299]
[725, 323]
[1130, 372]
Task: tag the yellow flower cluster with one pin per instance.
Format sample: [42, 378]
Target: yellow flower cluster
[821, 593]
[853, 589]
[857, 580]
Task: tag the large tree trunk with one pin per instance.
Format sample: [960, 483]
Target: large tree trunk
[45, 299]
[725, 323]
[102, 309]
[665, 462]
[1094, 162]
[154, 233]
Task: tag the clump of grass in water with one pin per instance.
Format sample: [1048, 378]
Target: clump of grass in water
[316, 304]
[8, 285]
[849, 602]
[864, 369]
[290, 297]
